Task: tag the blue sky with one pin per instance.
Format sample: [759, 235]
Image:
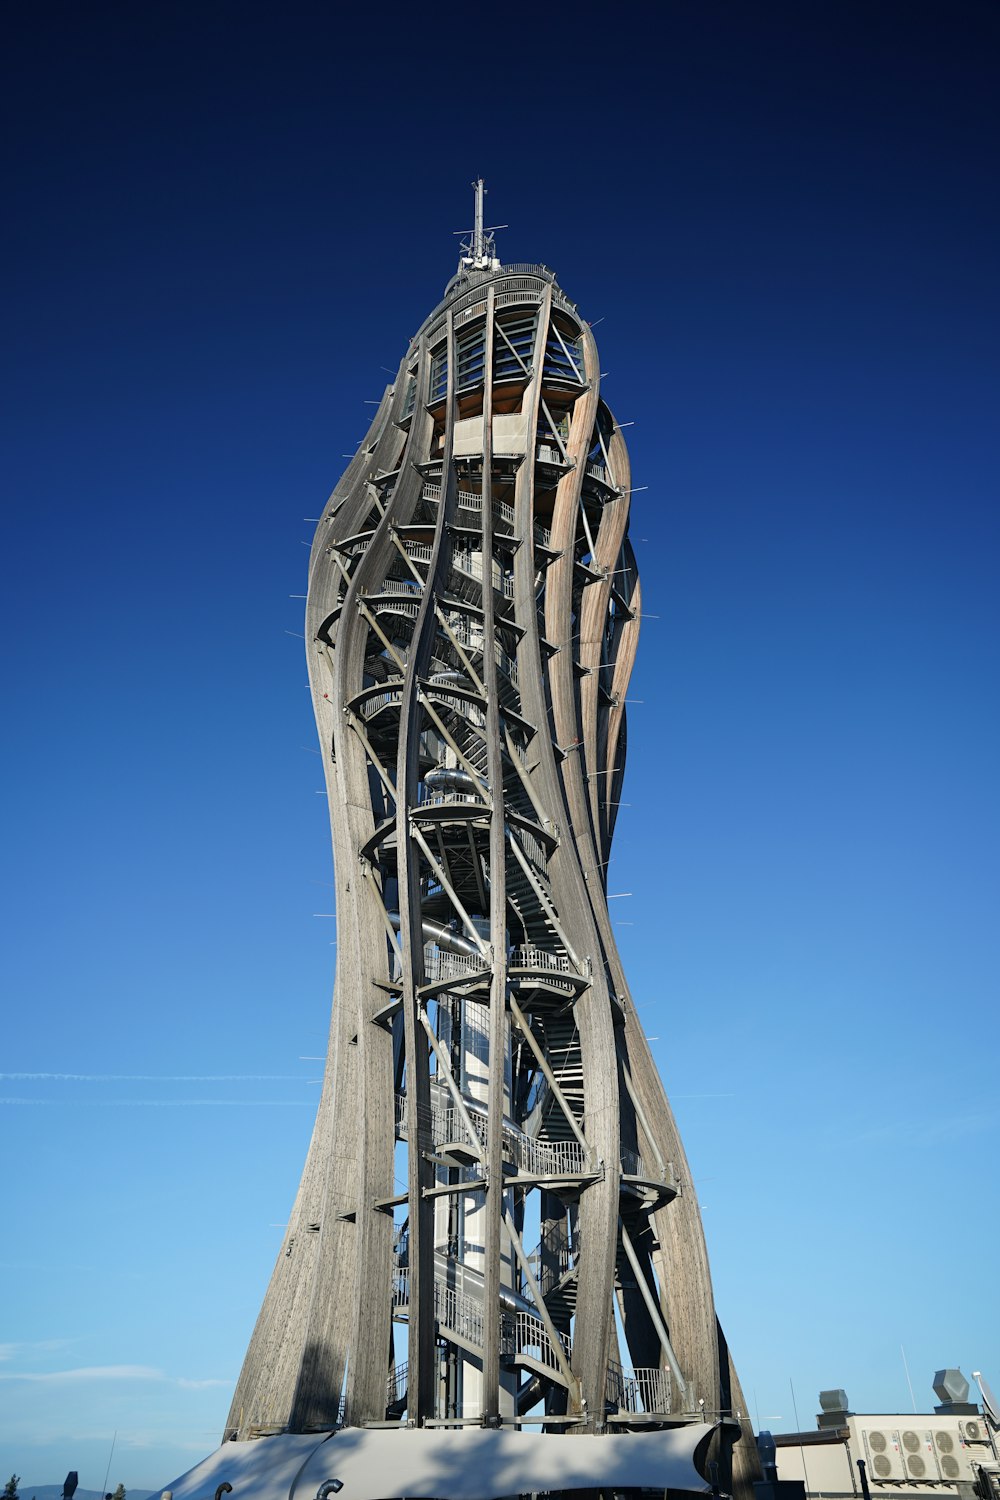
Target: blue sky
[224, 222]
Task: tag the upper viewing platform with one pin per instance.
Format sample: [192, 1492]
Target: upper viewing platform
[472, 278]
[520, 282]
[517, 284]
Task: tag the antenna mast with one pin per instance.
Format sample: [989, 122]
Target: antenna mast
[477, 233]
[479, 250]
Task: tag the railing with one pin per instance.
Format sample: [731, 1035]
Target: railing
[520, 1333]
[529, 268]
[471, 298]
[471, 563]
[395, 1386]
[461, 706]
[553, 1256]
[474, 640]
[502, 509]
[395, 1392]
[517, 282]
[459, 1313]
[477, 310]
[642, 1390]
[533, 1158]
[356, 548]
[453, 1310]
[407, 604]
[505, 299]
[537, 958]
[444, 799]
[398, 586]
[550, 1158]
[531, 1339]
[371, 706]
[469, 500]
[533, 849]
[646, 1390]
[559, 967]
[634, 1166]
[469, 292]
[516, 268]
[439, 964]
[507, 664]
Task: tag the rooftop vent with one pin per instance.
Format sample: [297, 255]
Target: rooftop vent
[952, 1390]
[833, 1409]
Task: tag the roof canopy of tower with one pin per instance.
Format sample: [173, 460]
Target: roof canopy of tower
[462, 1463]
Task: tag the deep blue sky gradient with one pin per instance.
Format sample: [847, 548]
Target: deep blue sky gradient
[223, 223]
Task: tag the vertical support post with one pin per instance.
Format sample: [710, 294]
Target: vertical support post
[423, 1373]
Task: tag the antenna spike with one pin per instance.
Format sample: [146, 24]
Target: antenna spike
[479, 251]
[478, 233]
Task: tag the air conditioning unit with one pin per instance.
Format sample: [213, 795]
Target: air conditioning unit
[919, 1457]
[952, 1455]
[885, 1459]
[973, 1430]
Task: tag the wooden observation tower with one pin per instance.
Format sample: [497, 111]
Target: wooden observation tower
[495, 1225]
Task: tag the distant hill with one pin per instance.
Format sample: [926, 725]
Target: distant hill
[54, 1492]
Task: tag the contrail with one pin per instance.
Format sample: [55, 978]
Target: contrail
[158, 1103]
[153, 1077]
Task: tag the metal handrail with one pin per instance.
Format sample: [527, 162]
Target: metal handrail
[354, 548]
[546, 454]
[520, 1332]
[469, 500]
[643, 1389]
[461, 706]
[444, 799]
[396, 1384]
[507, 299]
[398, 586]
[646, 1389]
[633, 1165]
[475, 640]
[471, 564]
[439, 964]
[538, 958]
[532, 1157]
[534, 850]
[531, 1338]
[563, 1252]
[371, 706]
